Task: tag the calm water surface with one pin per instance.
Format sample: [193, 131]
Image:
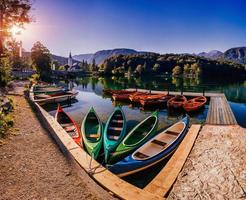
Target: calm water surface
[90, 94]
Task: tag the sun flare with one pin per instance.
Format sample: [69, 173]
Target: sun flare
[15, 30]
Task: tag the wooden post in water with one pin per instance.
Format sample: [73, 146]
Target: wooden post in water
[182, 89]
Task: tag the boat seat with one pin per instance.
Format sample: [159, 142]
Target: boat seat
[113, 137]
[141, 155]
[115, 128]
[172, 132]
[93, 135]
[91, 118]
[66, 124]
[117, 121]
[158, 142]
[69, 128]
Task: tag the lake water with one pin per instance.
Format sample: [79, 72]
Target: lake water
[91, 94]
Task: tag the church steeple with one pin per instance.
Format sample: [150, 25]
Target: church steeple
[70, 60]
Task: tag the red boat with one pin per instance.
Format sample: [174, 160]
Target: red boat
[176, 102]
[121, 97]
[137, 96]
[195, 104]
[112, 92]
[69, 125]
[156, 102]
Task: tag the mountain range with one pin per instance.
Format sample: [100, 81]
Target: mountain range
[237, 54]
[100, 56]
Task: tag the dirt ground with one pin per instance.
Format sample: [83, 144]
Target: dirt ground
[216, 167]
[33, 167]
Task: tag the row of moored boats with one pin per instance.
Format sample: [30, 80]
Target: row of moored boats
[148, 99]
[124, 153]
[45, 93]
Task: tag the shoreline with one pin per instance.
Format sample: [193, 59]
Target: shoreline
[32, 167]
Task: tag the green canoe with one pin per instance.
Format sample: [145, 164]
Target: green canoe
[139, 135]
[114, 132]
[92, 133]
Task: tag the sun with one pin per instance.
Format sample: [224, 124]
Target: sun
[15, 30]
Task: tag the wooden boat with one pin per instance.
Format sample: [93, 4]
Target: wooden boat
[55, 98]
[156, 102]
[136, 97]
[92, 133]
[152, 96]
[112, 92]
[141, 133]
[121, 97]
[176, 102]
[114, 132]
[155, 150]
[195, 104]
[68, 124]
[48, 90]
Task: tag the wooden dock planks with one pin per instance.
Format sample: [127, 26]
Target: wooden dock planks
[219, 112]
[163, 182]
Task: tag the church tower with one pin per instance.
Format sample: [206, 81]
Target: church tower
[70, 60]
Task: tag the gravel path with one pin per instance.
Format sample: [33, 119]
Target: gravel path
[216, 167]
[33, 167]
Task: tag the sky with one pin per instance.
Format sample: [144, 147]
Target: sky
[162, 26]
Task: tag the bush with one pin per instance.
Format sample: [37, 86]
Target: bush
[4, 71]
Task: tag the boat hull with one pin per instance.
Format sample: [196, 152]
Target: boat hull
[114, 132]
[92, 133]
[72, 129]
[195, 104]
[129, 165]
[130, 144]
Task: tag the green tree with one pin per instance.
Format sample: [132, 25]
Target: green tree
[4, 71]
[107, 67]
[12, 12]
[156, 67]
[177, 70]
[186, 69]
[93, 66]
[194, 68]
[41, 59]
[139, 69]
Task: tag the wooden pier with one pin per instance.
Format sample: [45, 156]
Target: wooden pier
[219, 112]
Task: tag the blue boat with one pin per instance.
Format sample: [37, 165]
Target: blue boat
[155, 150]
[114, 132]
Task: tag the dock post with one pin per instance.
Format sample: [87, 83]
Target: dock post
[69, 100]
[203, 91]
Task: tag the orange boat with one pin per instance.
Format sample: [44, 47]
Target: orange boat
[137, 96]
[152, 96]
[195, 104]
[121, 97]
[176, 102]
[112, 92]
[156, 102]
